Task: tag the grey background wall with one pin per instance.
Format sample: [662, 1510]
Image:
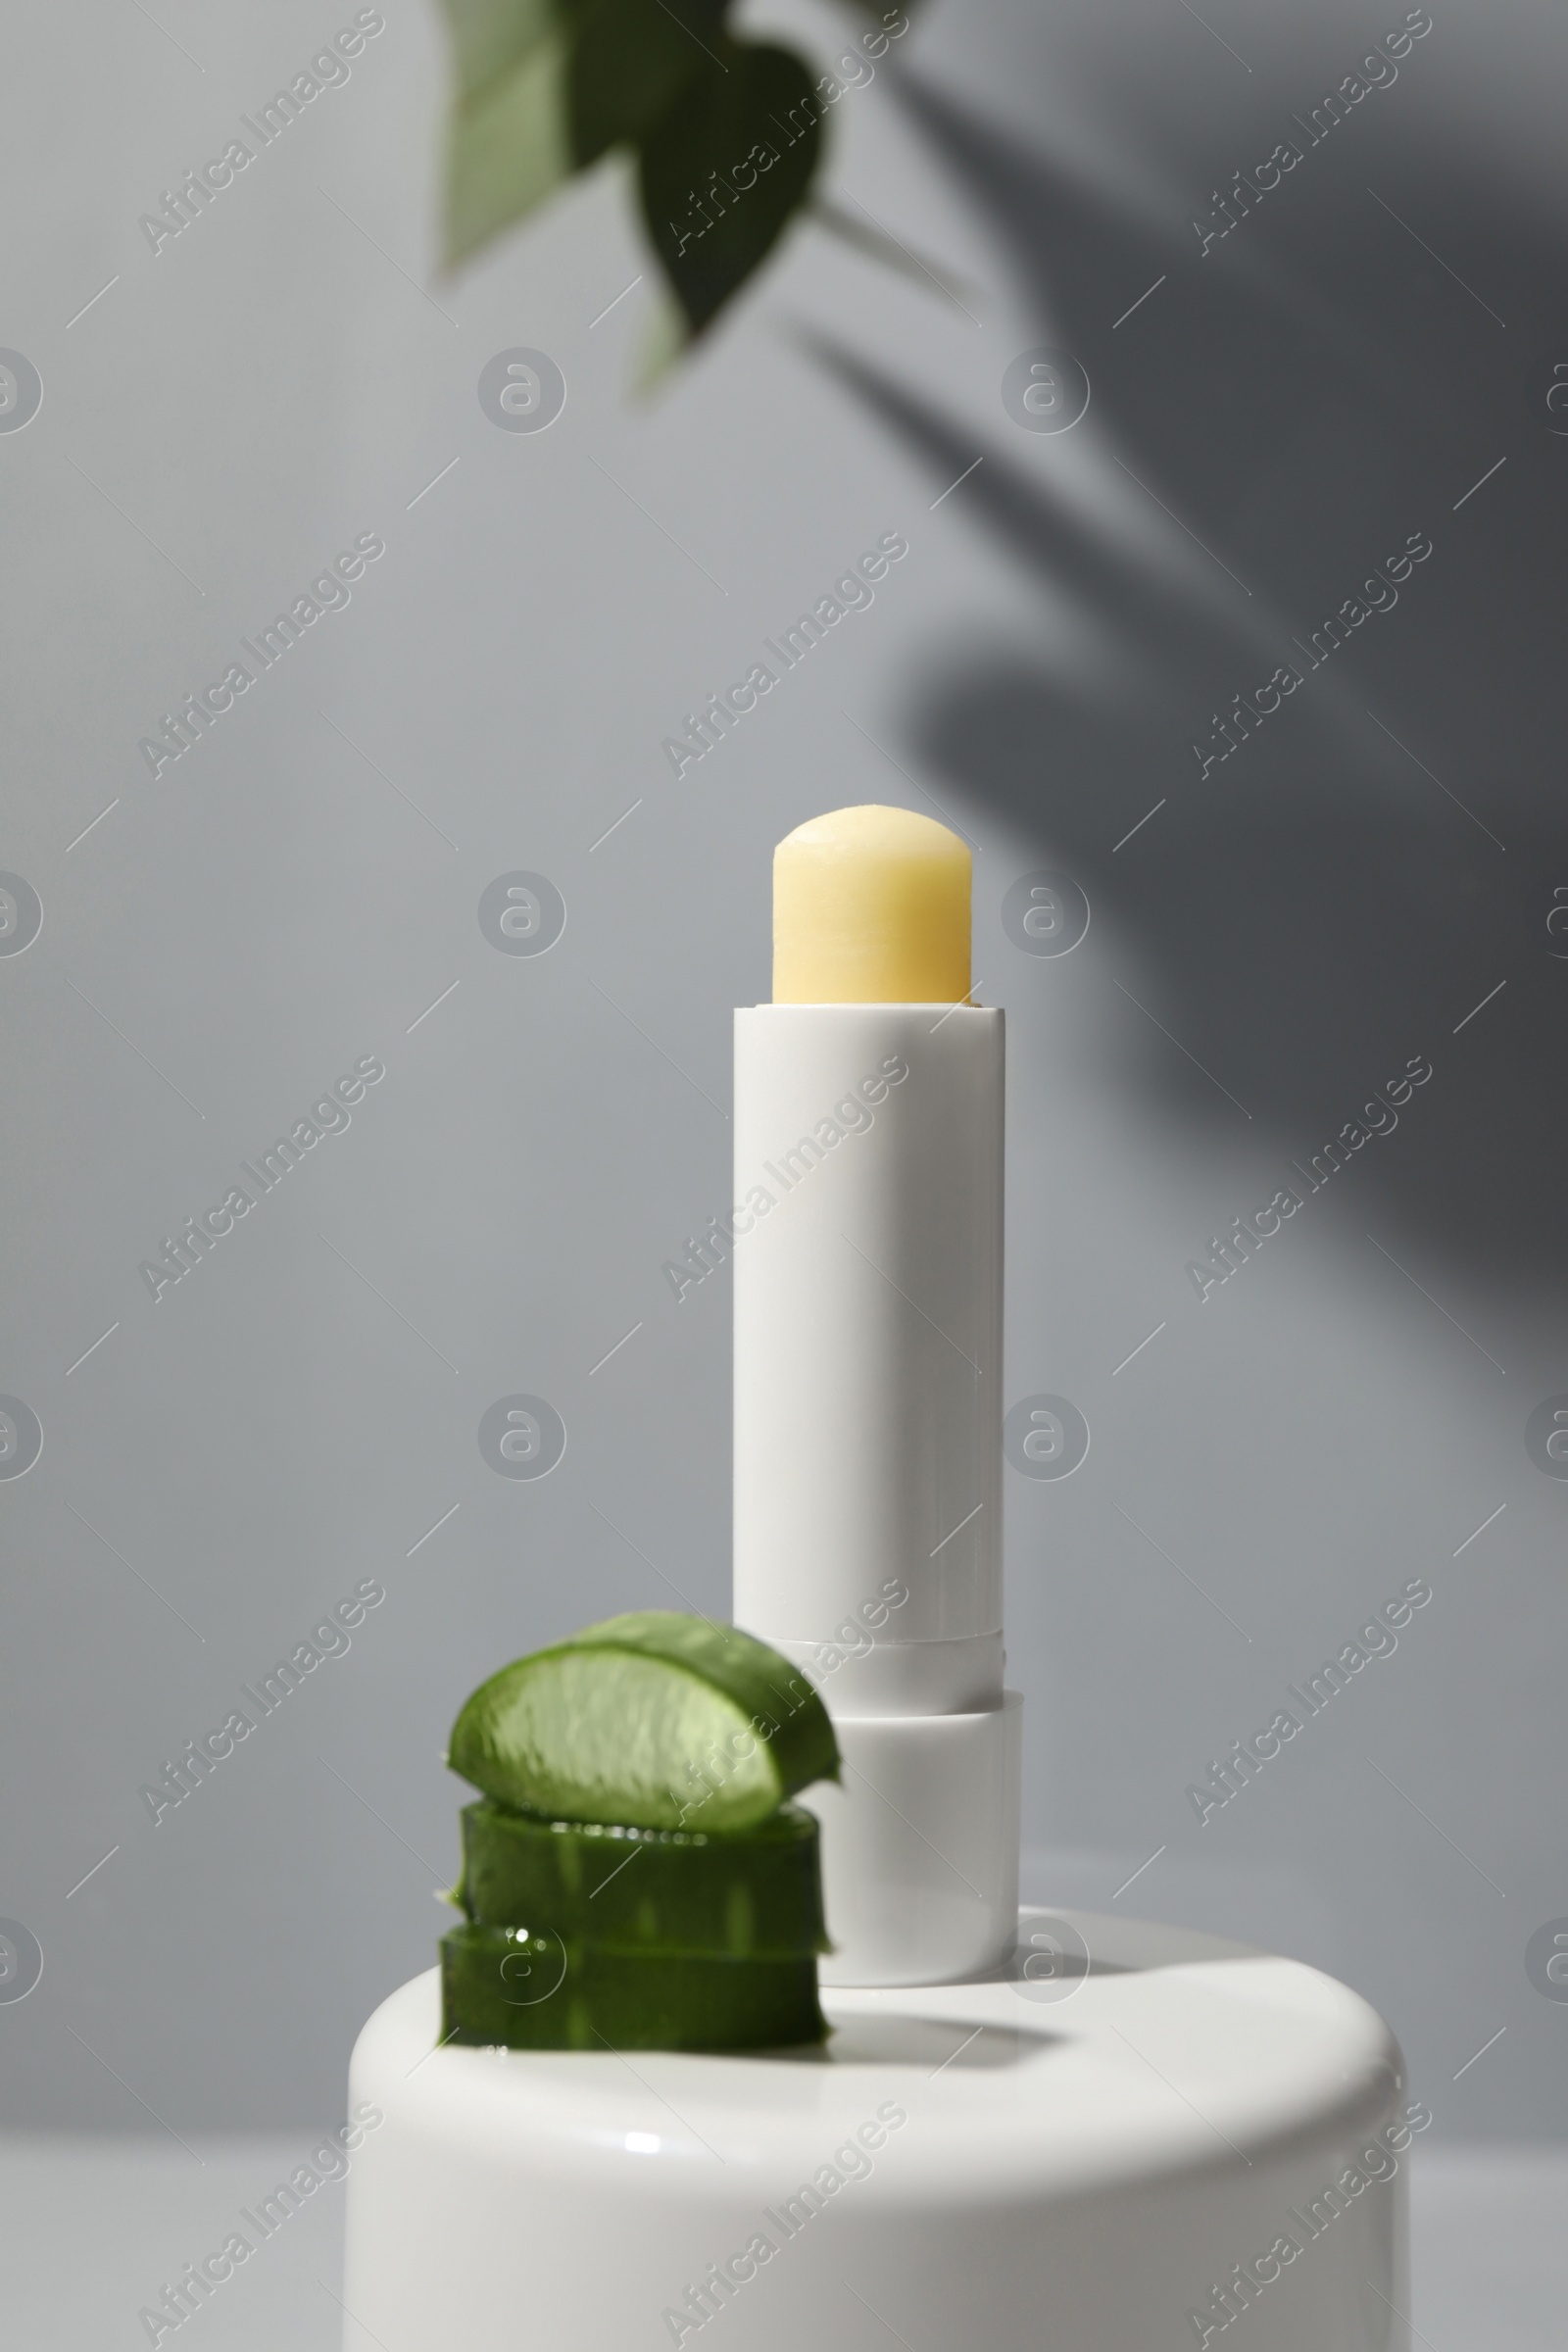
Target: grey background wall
[1367, 354]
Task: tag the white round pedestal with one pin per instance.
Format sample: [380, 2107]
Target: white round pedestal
[1188, 2138]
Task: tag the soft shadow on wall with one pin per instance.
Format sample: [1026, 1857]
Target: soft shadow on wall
[1334, 895]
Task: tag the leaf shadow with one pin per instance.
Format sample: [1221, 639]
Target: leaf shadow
[1339, 891]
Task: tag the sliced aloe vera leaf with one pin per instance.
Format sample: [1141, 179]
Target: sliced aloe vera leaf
[651, 1721]
[753, 1895]
[505, 1987]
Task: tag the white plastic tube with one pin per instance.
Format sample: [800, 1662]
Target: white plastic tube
[867, 1262]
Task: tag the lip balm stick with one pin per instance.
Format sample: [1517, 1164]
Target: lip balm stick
[868, 1157]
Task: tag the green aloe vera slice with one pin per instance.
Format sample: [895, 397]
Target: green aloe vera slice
[652, 1721]
[753, 1895]
[503, 1986]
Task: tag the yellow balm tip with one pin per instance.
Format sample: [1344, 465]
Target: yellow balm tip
[871, 906]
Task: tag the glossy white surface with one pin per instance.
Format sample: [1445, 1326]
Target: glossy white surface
[94, 2220]
[1079, 2160]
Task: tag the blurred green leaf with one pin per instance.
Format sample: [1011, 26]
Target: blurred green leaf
[728, 133]
[545, 87]
[491, 36]
[629, 63]
[510, 146]
[724, 171]
[664, 342]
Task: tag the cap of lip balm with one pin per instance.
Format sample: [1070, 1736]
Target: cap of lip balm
[871, 906]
